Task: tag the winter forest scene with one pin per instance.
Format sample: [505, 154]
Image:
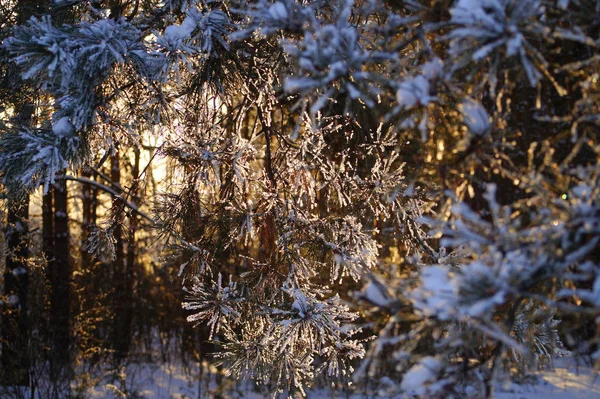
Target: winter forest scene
[300, 199]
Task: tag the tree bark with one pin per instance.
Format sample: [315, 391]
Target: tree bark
[86, 221]
[118, 331]
[60, 274]
[48, 225]
[130, 272]
[15, 332]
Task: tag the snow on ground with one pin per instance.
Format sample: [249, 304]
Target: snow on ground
[564, 382]
[158, 381]
[172, 381]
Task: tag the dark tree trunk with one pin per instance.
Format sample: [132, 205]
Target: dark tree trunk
[48, 226]
[15, 334]
[118, 338]
[115, 176]
[94, 207]
[48, 249]
[60, 277]
[86, 222]
[130, 271]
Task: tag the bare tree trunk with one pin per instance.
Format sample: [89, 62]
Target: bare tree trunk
[48, 225]
[86, 221]
[94, 207]
[48, 248]
[133, 223]
[130, 271]
[60, 277]
[119, 275]
[15, 334]
[115, 176]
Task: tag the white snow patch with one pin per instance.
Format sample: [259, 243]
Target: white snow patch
[277, 11]
[373, 294]
[513, 46]
[180, 32]
[476, 118]
[413, 92]
[433, 69]
[563, 4]
[300, 303]
[63, 127]
[420, 375]
[436, 294]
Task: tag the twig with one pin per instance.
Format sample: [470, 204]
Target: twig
[109, 190]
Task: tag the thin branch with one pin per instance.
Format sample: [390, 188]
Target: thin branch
[106, 178]
[267, 130]
[109, 190]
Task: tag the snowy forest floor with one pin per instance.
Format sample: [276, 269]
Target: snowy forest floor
[565, 380]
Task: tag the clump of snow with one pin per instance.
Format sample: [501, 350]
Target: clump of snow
[433, 69]
[414, 92]
[278, 11]
[180, 32]
[563, 4]
[514, 44]
[300, 304]
[476, 118]
[63, 127]
[373, 294]
[471, 12]
[420, 375]
[436, 295]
